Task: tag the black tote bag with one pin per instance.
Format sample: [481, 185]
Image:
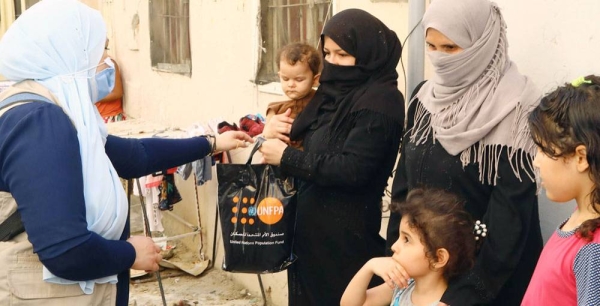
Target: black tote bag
[257, 209]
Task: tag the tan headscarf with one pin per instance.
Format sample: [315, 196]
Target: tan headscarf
[477, 99]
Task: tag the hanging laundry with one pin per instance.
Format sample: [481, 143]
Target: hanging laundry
[226, 126]
[252, 125]
[185, 170]
[151, 198]
[261, 118]
[199, 171]
[169, 195]
[208, 164]
[203, 170]
[152, 180]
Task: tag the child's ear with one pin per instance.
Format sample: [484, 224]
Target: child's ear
[316, 80]
[443, 257]
[581, 158]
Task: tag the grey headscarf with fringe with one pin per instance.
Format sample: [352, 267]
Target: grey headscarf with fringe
[478, 100]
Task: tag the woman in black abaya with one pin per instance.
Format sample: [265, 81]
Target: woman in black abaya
[351, 130]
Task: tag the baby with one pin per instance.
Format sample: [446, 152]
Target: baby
[299, 70]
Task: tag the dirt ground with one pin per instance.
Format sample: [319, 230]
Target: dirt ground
[213, 287]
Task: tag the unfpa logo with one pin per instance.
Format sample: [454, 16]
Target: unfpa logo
[268, 211]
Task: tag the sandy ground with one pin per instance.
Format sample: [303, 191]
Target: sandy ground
[213, 287]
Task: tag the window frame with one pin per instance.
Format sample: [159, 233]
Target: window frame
[169, 26]
[298, 30]
[19, 4]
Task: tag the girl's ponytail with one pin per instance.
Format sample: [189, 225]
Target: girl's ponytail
[587, 228]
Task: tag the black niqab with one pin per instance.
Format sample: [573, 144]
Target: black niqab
[372, 83]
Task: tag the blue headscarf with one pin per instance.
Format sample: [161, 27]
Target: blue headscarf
[59, 44]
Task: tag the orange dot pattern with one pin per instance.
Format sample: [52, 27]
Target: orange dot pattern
[244, 210]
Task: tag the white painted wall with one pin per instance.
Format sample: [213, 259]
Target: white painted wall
[552, 41]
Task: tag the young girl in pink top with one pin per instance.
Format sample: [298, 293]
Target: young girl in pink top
[566, 128]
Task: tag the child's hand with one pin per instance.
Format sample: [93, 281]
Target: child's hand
[390, 271]
[279, 126]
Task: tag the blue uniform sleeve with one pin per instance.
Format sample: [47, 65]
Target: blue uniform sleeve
[134, 158]
[41, 167]
[94, 250]
[587, 274]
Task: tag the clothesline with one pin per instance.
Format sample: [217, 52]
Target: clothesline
[160, 193]
[142, 128]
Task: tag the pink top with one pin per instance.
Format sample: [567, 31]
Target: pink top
[567, 273]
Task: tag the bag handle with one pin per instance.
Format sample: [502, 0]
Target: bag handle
[258, 142]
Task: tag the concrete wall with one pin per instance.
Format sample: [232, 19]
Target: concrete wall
[553, 42]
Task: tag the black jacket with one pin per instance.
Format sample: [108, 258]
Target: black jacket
[507, 257]
[339, 203]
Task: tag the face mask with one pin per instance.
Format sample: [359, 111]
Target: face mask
[438, 59]
[103, 82]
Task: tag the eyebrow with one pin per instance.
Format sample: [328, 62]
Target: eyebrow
[406, 234]
[442, 45]
[335, 50]
[450, 45]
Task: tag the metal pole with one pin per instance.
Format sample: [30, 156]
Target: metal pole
[416, 46]
[149, 234]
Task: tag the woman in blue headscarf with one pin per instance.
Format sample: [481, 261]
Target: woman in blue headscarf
[60, 170]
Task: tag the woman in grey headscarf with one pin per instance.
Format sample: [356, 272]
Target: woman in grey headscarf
[467, 133]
